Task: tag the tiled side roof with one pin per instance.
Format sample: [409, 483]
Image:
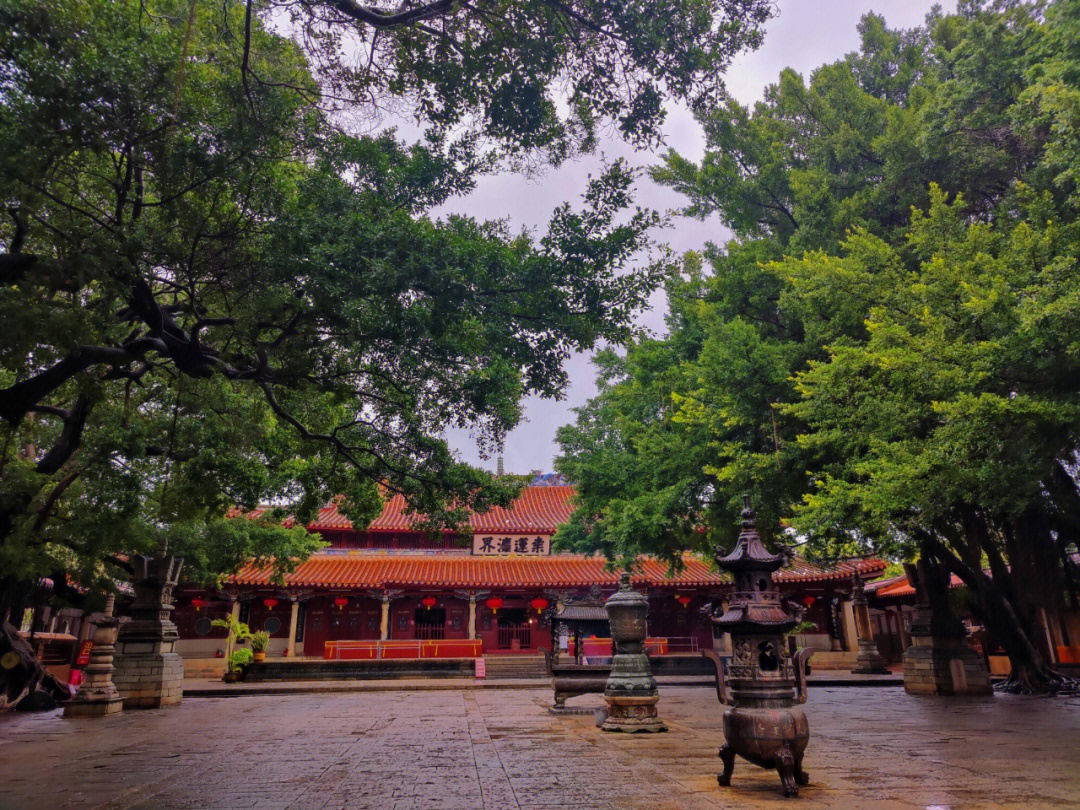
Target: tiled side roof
[539, 509]
[899, 587]
[801, 570]
[557, 571]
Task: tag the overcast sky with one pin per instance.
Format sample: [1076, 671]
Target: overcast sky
[805, 34]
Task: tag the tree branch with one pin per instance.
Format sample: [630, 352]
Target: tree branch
[394, 19]
[68, 442]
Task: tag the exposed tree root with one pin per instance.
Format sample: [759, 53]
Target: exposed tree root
[1040, 681]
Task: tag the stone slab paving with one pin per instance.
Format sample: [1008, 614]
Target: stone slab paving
[874, 748]
[215, 687]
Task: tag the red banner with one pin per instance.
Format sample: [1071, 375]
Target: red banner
[84, 654]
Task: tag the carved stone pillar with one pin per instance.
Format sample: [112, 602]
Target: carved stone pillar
[149, 671]
[472, 616]
[290, 646]
[384, 619]
[868, 660]
[472, 597]
[97, 696]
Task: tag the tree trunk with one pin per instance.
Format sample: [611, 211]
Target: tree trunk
[1030, 674]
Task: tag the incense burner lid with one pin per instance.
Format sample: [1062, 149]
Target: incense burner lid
[749, 552]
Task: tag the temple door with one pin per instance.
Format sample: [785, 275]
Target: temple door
[317, 628]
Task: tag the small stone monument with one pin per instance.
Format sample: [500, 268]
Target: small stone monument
[939, 660]
[97, 696]
[149, 672]
[630, 691]
[764, 723]
[868, 660]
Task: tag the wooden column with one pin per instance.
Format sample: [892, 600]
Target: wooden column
[236, 609]
[905, 639]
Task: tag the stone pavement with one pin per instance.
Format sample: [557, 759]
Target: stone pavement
[215, 687]
[873, 748]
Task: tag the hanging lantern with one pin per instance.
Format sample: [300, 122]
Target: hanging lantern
[270, 603]
[341, 601]
[198, 604]
[494, 603]
[428, 602]
[684, 600]
[539, 603]
[808, 601]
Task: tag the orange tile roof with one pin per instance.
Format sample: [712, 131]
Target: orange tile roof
[802, 570]
[366, 570]
[899, 587]
[539, 509]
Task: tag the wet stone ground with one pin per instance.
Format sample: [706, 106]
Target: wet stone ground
[500, 750]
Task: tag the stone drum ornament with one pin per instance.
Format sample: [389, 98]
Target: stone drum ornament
[764, 685]
[630, 691]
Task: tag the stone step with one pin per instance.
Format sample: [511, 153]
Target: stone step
[516, 666]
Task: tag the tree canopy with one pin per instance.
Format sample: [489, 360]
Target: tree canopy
[532, 76]
[214, 294]
[884, 353]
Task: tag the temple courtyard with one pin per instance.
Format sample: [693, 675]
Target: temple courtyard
[871, 748]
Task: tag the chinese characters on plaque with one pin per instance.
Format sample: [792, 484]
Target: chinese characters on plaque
[486, 544]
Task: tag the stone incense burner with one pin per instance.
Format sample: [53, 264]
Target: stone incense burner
[764, 686]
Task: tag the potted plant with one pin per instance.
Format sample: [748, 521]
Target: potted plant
[238, 633]
[259, 643]
[240, 661]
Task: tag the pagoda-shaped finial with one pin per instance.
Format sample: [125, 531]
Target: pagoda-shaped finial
[749, 551]
[749, 518]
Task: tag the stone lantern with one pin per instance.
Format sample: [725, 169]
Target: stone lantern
[764, 685]
[97, 697]
[630, 691]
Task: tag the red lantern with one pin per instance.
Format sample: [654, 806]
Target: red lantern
[539, 603]
[270, 603]
[341, 601]
[428, 602]
[808, 601]
[684, 600]
[494, 603]
[199, 604]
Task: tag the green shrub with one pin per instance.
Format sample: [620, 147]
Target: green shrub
[260, 641]
[240, 658]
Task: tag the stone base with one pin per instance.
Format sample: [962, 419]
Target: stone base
[868, 661]
[632, 714]
[93, 708]
[149, 680]
[571, 711]
[935, 666]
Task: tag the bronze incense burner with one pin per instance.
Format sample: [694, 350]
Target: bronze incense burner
[630, 691]
[764, 685]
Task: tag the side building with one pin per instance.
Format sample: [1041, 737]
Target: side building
[493, 592]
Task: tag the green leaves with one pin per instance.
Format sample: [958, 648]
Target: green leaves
[215, 297]
[535, 77]
[888, 345]
[955, 396]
